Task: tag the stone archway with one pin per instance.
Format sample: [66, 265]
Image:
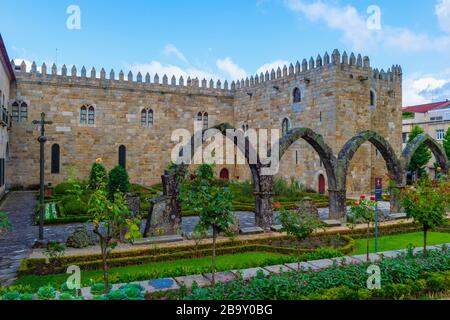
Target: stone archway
[348, 151]
[327, 157]
[436, 148]
[263, 184]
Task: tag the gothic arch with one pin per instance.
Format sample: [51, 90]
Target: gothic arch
[351, 147]
[437, 150]
[316, 141]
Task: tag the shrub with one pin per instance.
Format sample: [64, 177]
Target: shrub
[118, 181]
[80, 238]
[99, 288]
[73, 206]
[63, 188]
[46, 293]
[98, 175]
[5, 224]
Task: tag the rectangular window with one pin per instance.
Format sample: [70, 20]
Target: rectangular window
[440, 134]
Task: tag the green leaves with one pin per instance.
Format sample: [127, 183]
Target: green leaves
[300, 226]
[422, 155]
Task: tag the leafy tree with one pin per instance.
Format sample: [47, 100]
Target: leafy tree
[109, 216]
[300, 226]
[118, 181]
[446, 143]
[363, 211]
[212, 203]
[422, 155]
[98, 175]
[427, 204]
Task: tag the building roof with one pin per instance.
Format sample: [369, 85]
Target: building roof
[5, 60]
[424, 108]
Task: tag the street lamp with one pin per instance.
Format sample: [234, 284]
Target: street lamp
[42, 139]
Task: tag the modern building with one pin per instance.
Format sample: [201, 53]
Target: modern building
[7, 78]
[433, 118]
[130, 119]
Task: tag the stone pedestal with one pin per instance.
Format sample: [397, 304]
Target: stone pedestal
[163, 220]
[308, 207]
[134, 204]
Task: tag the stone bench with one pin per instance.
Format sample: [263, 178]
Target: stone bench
[251, 230]
[332, 223]
[160, 239]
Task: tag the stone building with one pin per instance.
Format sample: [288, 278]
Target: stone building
[130, 119]
[6, 79]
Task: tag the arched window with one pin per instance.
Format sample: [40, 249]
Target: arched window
[15, 112]
[205, 121]
[224, 174]
[297, 95]
[373, 98]
[286, 126]
[123, 156]
[200, 120]
[83, 115]
[56, 154]
[23, 112]
[91, 115]
[144, 118]
[150, 118]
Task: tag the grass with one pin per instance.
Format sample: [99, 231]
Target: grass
[156, 270]
[402, 241]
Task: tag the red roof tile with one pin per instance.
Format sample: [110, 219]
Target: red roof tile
[424, 108]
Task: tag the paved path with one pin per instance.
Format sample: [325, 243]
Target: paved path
[16, 245]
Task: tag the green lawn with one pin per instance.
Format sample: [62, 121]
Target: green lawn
[157, 270]
[402, 241]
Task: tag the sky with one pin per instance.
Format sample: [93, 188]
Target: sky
[235, 38]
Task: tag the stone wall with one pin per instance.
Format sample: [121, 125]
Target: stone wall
[335, 103]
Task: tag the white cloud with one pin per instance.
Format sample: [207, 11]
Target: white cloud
[170, 49]
[426, 88]
[272, 65]
[156, 67]
[443, 14]
[353, 26]
[231, 69]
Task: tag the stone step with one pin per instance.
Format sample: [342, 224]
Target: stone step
[251, 230]
[160, 239]
[397, 216]
[332, 223]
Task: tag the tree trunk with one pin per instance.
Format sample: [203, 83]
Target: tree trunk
[368, 242]
[105, 267]
[213, 264]
[425, 230]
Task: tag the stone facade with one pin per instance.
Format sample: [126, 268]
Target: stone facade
[335, 102]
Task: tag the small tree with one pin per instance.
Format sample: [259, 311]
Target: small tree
[212, 203]
[427, 204]
[118, 181]
[422, 155]
[446, 143]
[98, 176]
[363, 211]
[109, 216]
[300, 226]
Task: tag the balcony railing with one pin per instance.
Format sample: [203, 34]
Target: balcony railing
[4, 117]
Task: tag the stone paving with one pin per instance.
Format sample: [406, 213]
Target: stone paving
[16, 245]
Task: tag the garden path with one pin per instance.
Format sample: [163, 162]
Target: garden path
[16, 244]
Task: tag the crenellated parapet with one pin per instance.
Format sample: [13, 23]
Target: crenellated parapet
[129, 82]
[302, 70]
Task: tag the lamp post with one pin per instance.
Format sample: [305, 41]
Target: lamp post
[42, 139]
[378, 197]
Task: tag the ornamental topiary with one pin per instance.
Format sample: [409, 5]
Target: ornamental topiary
[80, 238]
[118, 181]
[98, 175]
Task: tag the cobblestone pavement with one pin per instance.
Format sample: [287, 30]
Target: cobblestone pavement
[16, 245]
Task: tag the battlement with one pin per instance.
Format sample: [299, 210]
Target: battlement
[211, 87]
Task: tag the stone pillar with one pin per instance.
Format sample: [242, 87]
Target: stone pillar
[264, 203]
[338, 204]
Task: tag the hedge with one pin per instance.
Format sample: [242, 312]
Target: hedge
[121, 259]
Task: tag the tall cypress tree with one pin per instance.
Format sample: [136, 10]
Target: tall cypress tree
[446, 143]
[422, 155]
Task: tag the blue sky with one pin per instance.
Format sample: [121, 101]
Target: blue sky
[234, 38]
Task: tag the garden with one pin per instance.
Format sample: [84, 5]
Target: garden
[303, 238]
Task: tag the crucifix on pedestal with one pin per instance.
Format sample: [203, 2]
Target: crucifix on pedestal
[42, 139]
